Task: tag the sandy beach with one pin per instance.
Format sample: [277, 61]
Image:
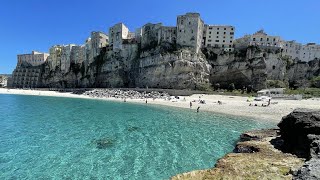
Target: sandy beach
[231, 105]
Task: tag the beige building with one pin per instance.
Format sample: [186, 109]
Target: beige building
[117, 34]
[34, 59]
[65, 58]
[26, 77]
[55, 57]
[98, 41]
[260, 38]
[219, 36]
[190, 31]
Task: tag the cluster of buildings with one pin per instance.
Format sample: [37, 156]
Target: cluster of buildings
[190, 31]
[306, 53]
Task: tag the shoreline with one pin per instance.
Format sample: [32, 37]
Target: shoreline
[231, 105]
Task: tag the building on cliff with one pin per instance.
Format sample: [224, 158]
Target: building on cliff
[35, 58]
[98, 41]
[117, 34]
[54, 58]
[219, 36]
[301, 52]
[190, 31]
[78, 54]
[65, 58]
[26, 76]
[260, 38]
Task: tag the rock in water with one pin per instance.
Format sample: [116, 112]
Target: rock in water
[103, 143]
[300, 131]
[295, 128]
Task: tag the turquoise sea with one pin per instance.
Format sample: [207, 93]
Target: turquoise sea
[65, 138]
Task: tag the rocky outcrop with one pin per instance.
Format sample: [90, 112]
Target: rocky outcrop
[255, 158]
[274, 153]
[300, 131]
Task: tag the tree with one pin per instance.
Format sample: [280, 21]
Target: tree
[216, 86]
[231, 87]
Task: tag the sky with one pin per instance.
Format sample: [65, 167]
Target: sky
[27, 25]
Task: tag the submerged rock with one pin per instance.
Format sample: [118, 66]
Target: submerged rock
[133, 128]
[103, 143]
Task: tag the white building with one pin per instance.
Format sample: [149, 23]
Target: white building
[301, 52]
[34, 59]
[98, 41]
[260, 38]
[219, 36]
[65, 58]
[190, 31]
[117, 34]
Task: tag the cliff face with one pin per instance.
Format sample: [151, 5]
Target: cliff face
[167, 66]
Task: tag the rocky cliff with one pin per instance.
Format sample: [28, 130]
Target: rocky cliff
[167, 66]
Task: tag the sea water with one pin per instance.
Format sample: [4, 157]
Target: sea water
[66, 138]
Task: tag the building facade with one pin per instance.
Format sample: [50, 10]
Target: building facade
[117, 34]
[34, 59]
[26, 77]
[98, 41]
[260, 38]
[54, 58]
[219, 36]
[65, 58]
[190, 31]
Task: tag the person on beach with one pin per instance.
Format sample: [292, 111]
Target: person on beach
[146, 101]
[190, 104]
[198, 109]
[269, 102]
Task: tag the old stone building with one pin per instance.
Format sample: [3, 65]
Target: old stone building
[117, 34]
[219, 36]
[35, 58]
[65, 58]
[167, 34]
[98, 41]
[260, 38]
[26, 76]
[190, 31]
[54, 58]
[150, 35]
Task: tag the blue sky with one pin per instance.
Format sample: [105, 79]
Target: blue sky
[27, 25]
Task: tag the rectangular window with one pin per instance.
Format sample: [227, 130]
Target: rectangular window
[261, 39]
[231, 33]
[209, 40]
[210, 27]
[224, 32]
[217, 40]
[223, 41]
[225, 28]
[254, 39]
[217, 36]
[217, 32]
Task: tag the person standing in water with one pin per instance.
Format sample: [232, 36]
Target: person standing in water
[146, 101]
[190, 104]
[198, 109]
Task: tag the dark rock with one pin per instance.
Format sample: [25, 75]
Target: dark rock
[103, 143]
[309, 171]
[295, 128]
[245, 149]
[259, 134]
[133, 128]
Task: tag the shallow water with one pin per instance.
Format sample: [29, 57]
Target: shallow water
[65, 138]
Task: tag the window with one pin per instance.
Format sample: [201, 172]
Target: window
[267, 39]
[217, 36]
[217, 28]
[224, 32]
[261, 39]
[189, 23]
[217, 40]
[209, 40]
[182, 21]
[209, 36]
[224, 37]
[231, 33]
[231, 29]
[225, 28]
[230, 46]
[217, 32]
[231, 37]
[254, 39]
[210, 27]
[223, 41]
[223, 45]
[209, 32]
[230, 41]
